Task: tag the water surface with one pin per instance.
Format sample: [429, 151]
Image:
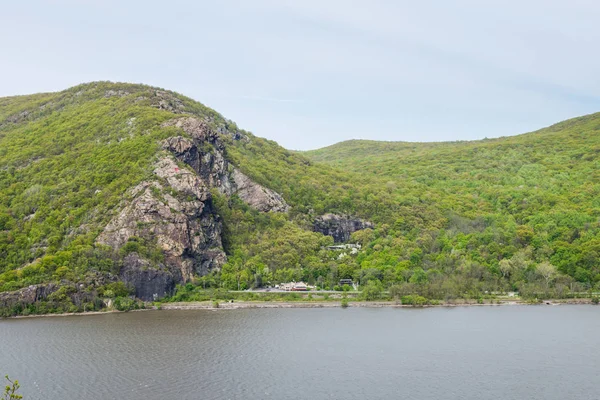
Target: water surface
[511, 352]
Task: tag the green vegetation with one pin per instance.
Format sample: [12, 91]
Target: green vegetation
[10, 390]
[65, 164]
[414, 300]
[452, 220]
[345, 303]
[519, 213]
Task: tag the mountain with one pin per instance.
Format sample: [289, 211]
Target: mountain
[110, 189]
[533, 196]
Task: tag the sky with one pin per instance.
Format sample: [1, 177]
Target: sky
[311, 73]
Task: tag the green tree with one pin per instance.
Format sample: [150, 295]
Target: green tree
[547, 271]
[372, 291]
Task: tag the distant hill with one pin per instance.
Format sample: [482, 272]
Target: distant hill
[535, 193]
[109, 189]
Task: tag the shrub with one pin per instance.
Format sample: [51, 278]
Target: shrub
[125, 304]
[344, 303]
[115, 289]
[372, 291]
[10, 390]
[414, 300]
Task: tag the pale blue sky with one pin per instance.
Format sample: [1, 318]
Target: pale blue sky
[311, 73]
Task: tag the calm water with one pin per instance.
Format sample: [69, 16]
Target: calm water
[516, 352]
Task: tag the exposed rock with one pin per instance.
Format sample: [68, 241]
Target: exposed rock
[116, 93]
[180, 146]
[257, 196]
[204, 153]
[175, 211]
[79, 293]
[28, 295]
[182, 179]
[340, 227]
[166, 101]
[148, 283]
[16, 118]
[201, 130]
[188, 231]
[194, 127]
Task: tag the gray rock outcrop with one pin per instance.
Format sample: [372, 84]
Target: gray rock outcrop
[257, 196]
[149, 282]
[174, 211]
[187, 230]
[26, 296]
[340, 227]
[204, 152]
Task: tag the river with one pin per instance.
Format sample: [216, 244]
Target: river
[507, 352]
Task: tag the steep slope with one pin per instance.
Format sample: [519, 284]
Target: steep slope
[106, 182]
[114, 189]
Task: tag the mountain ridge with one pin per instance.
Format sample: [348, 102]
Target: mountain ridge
[109, 189]
[550, 128]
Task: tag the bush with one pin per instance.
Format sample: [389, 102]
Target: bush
[345, 303]
[10, 390]
[115, 289]
[595, 300]
[372, 291]
[414, 300]
[125, 304]
[215, 304]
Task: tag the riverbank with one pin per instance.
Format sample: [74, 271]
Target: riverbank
[237, 305]
[233, 305]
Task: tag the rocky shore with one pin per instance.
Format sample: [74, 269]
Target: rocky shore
[369, 304]
[237, 305]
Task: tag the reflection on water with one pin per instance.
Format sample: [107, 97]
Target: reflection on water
[518, 352]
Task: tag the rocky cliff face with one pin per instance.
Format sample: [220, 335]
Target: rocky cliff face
[204, 153]
[340, 227]
[175, 210]
[257, 196]
[28, 295]
[150, 282]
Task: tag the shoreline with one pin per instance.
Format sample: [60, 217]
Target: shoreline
[237, 305]
[243, 305]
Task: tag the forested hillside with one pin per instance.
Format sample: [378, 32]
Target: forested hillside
[70, 161]
[511, 207]
[113, 189]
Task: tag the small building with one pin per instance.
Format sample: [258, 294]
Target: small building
[294, 287]
[346, 282]
[300, 287]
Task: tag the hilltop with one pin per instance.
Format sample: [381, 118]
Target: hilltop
[110, 189]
